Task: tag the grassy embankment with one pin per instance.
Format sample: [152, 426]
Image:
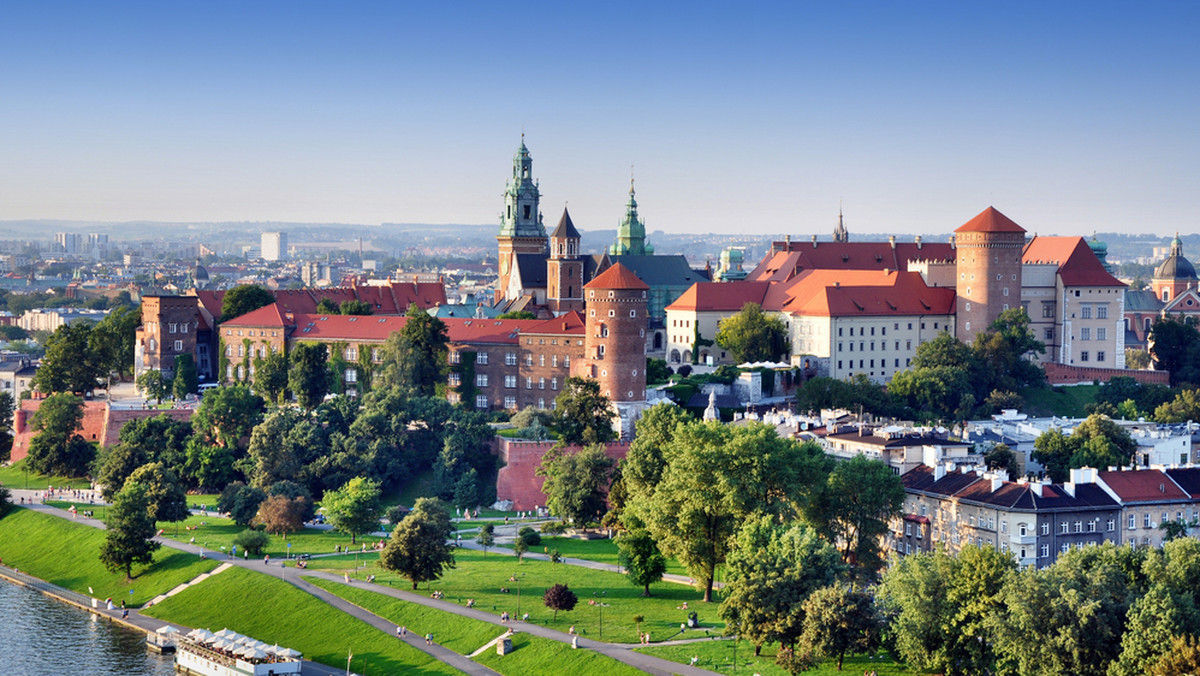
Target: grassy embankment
[537, 656]
[67, 554]
[600, 550]
[481, 577]
[214, 532]
[13, 476]
[719, 656]
[274, 611]
[1061, 401]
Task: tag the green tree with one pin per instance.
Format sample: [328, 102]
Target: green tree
[1182, 656]
[326, 306]
[244, 298]
[1004, 352]
[1054, 449]
[227, 415]
[415, 356]
[165, 498]
[7, 408]
[271, 377]
[859, 498]
[299, 494]
[308, 375]
[69, 364]
[253, 542]
[657, 371]
[576, 482]
[1173, 343]
[1002, 457]
[1184, 407]
[644, 464]
[282, 446]
[839, 620]
[752, 335]
[128, 539]
[582, 415]
[1154, 620]
[1136, 359]
[153, 385]
[6, 504]
[209, 466]
[518, 314]
[560, 597]
[420, 548]
[57, 448]
[281, 515]
[186, 380]
[644, 564]
[354, 307]
[486, 537]
[354, 509]
[241, 502]
[112, 341]
[772, 569]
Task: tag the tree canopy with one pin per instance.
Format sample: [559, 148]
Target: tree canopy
[576, 482]
[57, 448]
[414, 357]
[353, 509]
[420, 548]
[582, 415]
[244, 298]
[308, 375]
[130, 529]
[752, 335]
[70, 364]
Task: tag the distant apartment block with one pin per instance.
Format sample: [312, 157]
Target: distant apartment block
[274, 246]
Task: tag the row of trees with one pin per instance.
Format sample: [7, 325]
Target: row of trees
[81, 354]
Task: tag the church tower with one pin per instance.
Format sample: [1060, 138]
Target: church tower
[615, 341]
[840, 233]
[521, 227]
[631, 233]
[988, 249]
[564, 270]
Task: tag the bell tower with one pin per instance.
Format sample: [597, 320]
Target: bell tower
[631, 233]
[564, 270]
[521, 227]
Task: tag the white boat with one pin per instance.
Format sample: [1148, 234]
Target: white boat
[228, 653]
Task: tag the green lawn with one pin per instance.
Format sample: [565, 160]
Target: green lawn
[214, 532]
[719, 656]
[67, 554]
[1060, 401]
[481, 577]
[601, 551]
[537, 656]
[461, 634]
[209, 499]
[418, 486]
[274, 611]
[14, 476]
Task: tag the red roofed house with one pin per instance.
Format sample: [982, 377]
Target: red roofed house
[1148, 497]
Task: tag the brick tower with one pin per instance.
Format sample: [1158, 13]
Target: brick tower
[521, 227]
[615, 345]
[564, 270]
[988, 250]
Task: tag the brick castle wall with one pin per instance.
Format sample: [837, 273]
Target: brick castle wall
[518, 480]
[1062, 374]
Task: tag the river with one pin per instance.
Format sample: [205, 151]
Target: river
[40, 636]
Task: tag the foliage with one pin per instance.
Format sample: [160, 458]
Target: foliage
[6, 503]
[186, 380]
[1182, 656]
[165, 498]
[819, 393]
[227, 415]
[1153, 620]
[644, 464]
[280, 515]
[657, 371]
[576, 482]
[112, 341]
[517, 314]
[860, 497]
[420, 548]
[326, 306]
[354, 508]
[486, 537]
[154, 385]
[529, 536]
[57, 448]
[244, 298]
[772, 570]
[1175, 347]
[130, 529]
[282, 446]
[415, 356]
[7, 408]
[752, 335]
[354, 307]
[644, 564]
[716, 478]
[839, 620]
[271, 376]
[69, 364]
[241, 502]
[560, 597]
[308, 374]
[582, 415]
[1096, 442]
[209, 466]
[297, 493]
[1002, 457]
[252, 541]
[1136, 359]
[529, 415]
[1183, 408]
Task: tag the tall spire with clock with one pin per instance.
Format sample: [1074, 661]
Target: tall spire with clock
[521, 227]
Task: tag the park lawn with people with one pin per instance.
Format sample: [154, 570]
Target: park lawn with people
[482, 577]
[461, 634]
[274, 611]
[719, 656]
[67, 554]
[537, 656]
[214, 532]
[351, 563]
[14, 476]
[205, 500]
[600, 550]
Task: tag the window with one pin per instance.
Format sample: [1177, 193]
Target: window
[175, 327]
[351, 354]
[1132, 521]
[541, 383]
[908, 529]
[1100, 355]
[1091, 526]
[554, 383]
[510, 358]
[351, 375]
[1048, 334]
[481, 358]
[1083, 356]
[528, 359]
[554, 360]
[376, 355]
[566, 361]
[510, 381]
[1078, 526]
[455, 380]
[178, 345]
[183, 328]
[1064, 527]
[481, 401]
[1047, 311]
[541, 404]
[481, 380]
[529, 382]
[1085, 334]
[1102, 333]
[510, 402]
[1022, 529]
[455, 357]
[1045, 529]
[1085, 311]
[1112, 525]
[228, 349]
[1101, 312]
[541, 360]
[241, 350]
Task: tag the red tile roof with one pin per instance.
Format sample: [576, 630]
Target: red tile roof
[721, 296]
[267, 315]
[1143, 485]
[389, 299]
[617, 277]
[990, 220]
[1077, 263]
[370, 328]
[850, 293]
[801, 256]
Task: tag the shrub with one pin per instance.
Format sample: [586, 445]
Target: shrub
[555, 557]
[529, 536]
[560, 597]
[253, 541]
[553, 527]
[396, 514]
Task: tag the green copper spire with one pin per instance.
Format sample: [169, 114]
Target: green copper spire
[522, 216]
[631, 233]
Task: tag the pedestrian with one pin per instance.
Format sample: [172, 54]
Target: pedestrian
[399, 629]
[267, 560]
[403, 630]
[428, 639]
[124, 613]
[575, 642]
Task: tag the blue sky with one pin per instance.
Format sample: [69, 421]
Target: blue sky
[1068, 117]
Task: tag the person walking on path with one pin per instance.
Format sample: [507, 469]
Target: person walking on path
[428, 639]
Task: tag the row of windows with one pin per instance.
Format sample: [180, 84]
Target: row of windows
[1086, 333]
[862, 345]
[251, 332]
[510, 402]
[882, 364]
[1084, 356]
[862, 330]
[1085, 310]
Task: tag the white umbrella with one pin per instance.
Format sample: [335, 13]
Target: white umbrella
[254, 654]
[287, 652]
[225, 633]
[167, 630]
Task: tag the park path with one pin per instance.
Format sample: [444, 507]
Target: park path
[621, 652]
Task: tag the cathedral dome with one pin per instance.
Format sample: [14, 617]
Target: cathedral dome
[1176, 267]
[199, 273]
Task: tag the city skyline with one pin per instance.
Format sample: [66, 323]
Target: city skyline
[757, 120]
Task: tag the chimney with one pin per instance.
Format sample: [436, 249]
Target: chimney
[1069, 488]
[892, 240]
[918, 240]
[1036, 487]
[939, 472]
[814, 241]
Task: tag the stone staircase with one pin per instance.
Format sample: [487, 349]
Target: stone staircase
[199, 578]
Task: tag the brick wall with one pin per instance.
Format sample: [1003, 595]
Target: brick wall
[518, 481]
[1061, 374]
[100, 423]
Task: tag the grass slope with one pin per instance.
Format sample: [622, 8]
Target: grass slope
[213, 532]
[67, 554]
[276, 612]
[600, 551]
[537, 656]
[718, 656]
[1061, 401]
[14, 476]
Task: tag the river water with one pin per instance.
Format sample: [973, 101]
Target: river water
[40, 636]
